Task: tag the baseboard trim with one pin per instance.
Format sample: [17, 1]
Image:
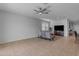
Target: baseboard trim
[16, 40]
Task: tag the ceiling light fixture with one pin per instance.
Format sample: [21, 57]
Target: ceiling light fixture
[42, 9]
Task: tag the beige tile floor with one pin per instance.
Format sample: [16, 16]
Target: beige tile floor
[40, 47]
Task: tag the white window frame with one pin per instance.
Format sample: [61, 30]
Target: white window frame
[45, 26]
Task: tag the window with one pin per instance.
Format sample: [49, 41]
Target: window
[45, 26]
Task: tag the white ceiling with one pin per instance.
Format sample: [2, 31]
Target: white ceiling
[58, 10]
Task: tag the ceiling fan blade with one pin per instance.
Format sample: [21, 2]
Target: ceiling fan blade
[36, 10]
[44, 9]
[45, 12]
[38, 7]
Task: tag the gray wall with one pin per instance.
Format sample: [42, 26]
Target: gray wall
[1, 27]
[76, 27]
[15, 27]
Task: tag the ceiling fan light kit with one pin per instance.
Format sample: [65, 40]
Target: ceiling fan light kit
[42, 10]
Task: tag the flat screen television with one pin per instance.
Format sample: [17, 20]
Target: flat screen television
[59, 27]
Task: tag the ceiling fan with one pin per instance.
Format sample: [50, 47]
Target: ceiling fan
[42, 10]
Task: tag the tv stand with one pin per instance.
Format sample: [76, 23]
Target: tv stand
[59, 33]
